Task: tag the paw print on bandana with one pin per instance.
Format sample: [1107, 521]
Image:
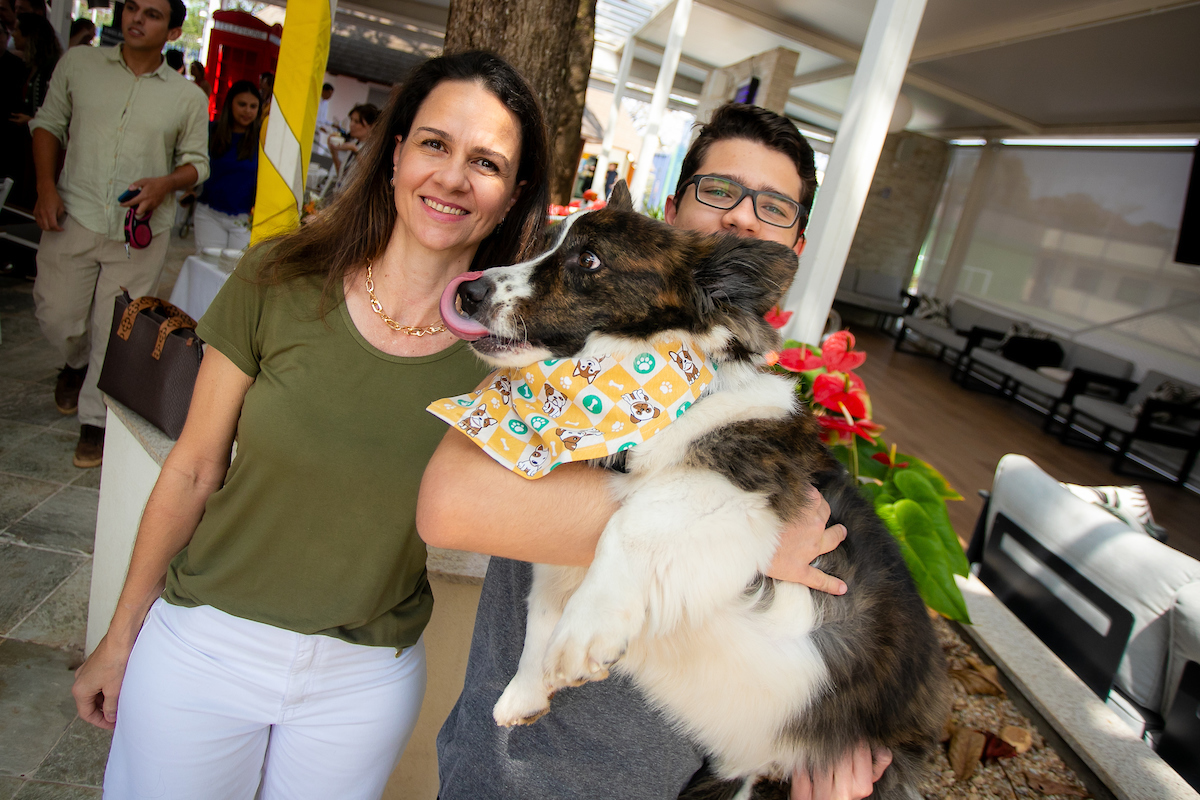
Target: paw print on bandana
[644, 364]
[617, 427]
[666, 388]
[565, 382]
[496, 402]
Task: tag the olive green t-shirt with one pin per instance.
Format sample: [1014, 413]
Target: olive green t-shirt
[314, 529]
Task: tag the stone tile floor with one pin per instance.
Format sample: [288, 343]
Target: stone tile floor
[47, 525]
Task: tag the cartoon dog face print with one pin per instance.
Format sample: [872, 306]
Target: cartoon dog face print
[683, 360]
[503, 386]
[641, 407]
[587, 368]
[582, 438]
[476, 422]
[535, 461]
[555, 403]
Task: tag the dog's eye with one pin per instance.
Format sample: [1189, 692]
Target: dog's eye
[589, 261]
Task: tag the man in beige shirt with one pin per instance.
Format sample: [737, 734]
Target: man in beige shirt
[128, 122]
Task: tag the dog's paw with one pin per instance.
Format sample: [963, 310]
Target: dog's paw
[523, 703]
[583, 650]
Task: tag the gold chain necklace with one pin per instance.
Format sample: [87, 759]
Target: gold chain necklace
[410, 330]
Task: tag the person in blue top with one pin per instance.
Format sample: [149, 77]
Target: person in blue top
[223, 208]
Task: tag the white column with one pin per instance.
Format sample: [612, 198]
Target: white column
[864, 125]
[59, 15]
[614, 114]
[658, 104]
[213, 6]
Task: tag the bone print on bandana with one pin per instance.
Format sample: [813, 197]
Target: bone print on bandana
[552, 412]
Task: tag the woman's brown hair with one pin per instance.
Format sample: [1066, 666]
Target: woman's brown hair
[359, 222]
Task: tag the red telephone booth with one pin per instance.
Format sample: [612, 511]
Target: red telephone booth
[240, 47]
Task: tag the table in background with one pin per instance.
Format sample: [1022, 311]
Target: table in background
[200, 278]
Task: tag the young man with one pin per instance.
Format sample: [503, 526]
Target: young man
[136, 125]
[601, 740]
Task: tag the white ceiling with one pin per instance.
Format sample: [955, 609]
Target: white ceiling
[979, 67]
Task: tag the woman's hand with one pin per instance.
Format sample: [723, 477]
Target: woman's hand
[802, 540]
[851, 778]
[98, 683]
[20, 119]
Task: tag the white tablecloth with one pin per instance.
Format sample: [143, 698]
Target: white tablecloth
[199, 281]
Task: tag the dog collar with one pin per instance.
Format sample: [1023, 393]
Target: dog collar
[549, 413]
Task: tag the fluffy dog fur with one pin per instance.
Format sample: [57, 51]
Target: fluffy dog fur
[767, 676]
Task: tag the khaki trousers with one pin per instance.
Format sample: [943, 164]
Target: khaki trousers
[80, 274]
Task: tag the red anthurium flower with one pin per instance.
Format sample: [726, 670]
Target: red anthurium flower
[837, 430]
[886, 460]
[837, 353]
[838, 391]
[799, 359]
[776, 318]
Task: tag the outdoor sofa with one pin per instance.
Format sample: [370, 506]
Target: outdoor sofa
[1120, 608]
[966, 327]
[874, 291]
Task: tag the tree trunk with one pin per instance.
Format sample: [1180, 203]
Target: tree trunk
[550, 43]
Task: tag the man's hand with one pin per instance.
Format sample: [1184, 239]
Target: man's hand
[153, 191]
[49, 210]
[802, 540]
[852, 778]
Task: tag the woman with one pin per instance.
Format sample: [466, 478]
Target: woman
[362, 121]
[34, 36]
[223, 210]
[285, 650]
[196, 70]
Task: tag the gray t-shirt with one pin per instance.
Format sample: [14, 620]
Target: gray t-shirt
[600, 740]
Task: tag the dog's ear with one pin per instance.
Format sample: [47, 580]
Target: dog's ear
[748, 275]
[739, 281]
[620, 199]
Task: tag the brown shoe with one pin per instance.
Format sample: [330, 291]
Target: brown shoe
[90, 450]
[66, 389]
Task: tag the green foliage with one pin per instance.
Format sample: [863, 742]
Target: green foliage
[910, 497]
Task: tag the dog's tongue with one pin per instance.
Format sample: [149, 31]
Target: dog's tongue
[461, 326]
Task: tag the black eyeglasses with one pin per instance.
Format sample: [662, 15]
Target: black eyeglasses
[773, 209]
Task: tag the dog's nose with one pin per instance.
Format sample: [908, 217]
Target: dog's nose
[472, 294]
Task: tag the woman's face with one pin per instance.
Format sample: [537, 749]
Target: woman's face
[245, 111]
[359, 129]
[19, 40]
[456, 172]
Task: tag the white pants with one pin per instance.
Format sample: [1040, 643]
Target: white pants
[212, 228]
[218, 707]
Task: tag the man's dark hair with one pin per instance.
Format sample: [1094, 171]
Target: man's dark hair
[174, 59]
[178, 14]
[83, 23]
[36, 6]
[742, 121]
[327, 87]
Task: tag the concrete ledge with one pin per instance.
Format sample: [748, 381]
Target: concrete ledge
[1097, 735]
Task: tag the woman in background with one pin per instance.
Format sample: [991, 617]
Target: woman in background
[362, 122]
[34, 36]
[223, 210]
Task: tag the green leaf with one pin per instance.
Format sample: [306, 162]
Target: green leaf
[926, 558]
[916, 487]
[935, 478]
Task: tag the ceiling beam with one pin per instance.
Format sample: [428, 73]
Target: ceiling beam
[797, 33]
[1022, 30]
[828, 113]
[973, 103]
[643, 44]
[822, 75]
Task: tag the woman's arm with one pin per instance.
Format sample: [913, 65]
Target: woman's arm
[194, 469]
[469, 502]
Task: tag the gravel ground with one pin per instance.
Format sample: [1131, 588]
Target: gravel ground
[982, 719]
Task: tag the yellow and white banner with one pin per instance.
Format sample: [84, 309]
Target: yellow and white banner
[287, 143]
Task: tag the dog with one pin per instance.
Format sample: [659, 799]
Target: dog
[535, 461]
[766, 676]
[573, 440]
[556, 402]
[476, 422]
[641, 407]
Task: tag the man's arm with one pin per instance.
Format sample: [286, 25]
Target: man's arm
[49, 209]
[153, 191]
[469, 502]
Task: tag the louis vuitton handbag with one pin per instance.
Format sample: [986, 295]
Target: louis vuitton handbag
[152, 361]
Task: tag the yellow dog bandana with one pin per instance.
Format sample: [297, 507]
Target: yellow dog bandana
[552, 412]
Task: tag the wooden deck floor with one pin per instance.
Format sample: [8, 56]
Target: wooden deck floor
[964, 434]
